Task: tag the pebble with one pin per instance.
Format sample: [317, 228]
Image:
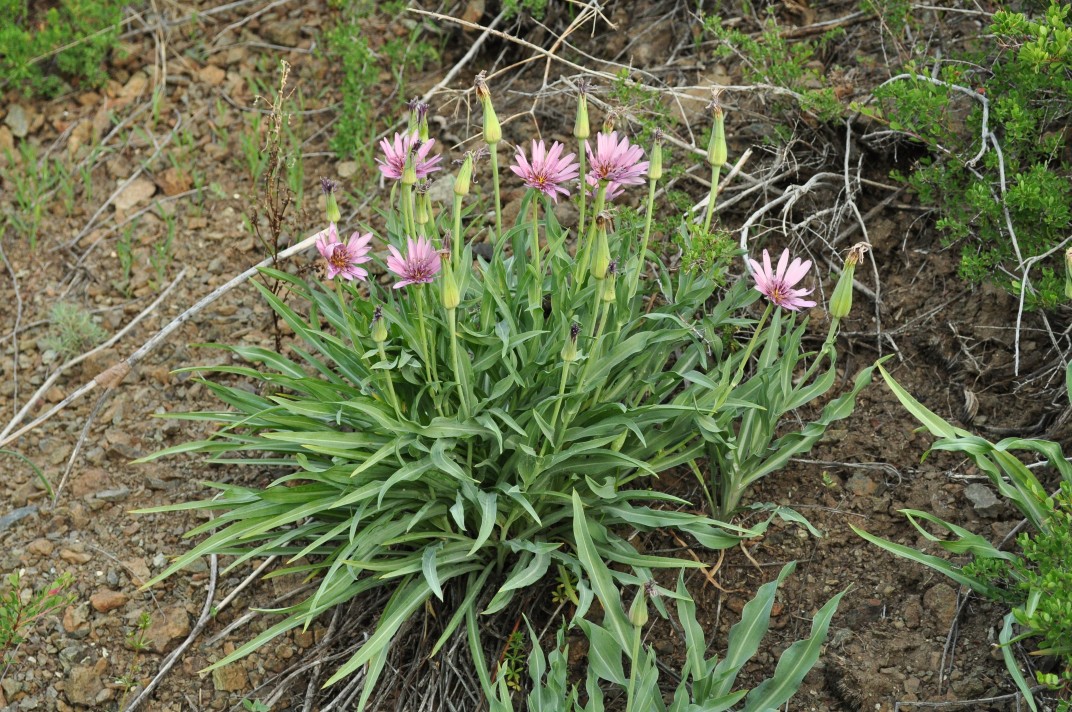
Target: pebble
[983, 499]
[940, 602]
[168, 629]
[41, 547]
[139, 191]
[114, 495]
[84, 684]
[17, 120]
[108, 600]
[230, 678]
[15, 515]
[75, 557]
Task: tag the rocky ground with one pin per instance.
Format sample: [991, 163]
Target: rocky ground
[162, 185]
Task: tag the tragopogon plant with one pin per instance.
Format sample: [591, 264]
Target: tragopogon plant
[452, 430]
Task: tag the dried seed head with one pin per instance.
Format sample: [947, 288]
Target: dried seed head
[327, 185]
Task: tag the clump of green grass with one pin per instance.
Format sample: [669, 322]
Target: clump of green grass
[45, 52]
[72, 330]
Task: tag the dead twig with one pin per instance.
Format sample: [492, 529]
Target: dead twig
[173, 657]
[115, 374]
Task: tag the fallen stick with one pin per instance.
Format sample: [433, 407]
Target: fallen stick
[112, 376]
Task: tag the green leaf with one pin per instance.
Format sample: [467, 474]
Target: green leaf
[614, 615]
[794, 664]
[1004, 640]
[604, 653]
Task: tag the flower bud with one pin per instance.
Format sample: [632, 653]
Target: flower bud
[465, 176]
[608, 284]
[1068, 273]
[841, 300]
[379, 326]
[492, 130]
[448, 285]
[601, 256]
[409, 169]
[418, 119]
[655, 167]
[638, 612]
[581, 129]
[423, 211]
[331, 206]
[717, 153]
[569, 351]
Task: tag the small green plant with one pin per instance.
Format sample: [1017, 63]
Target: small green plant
[998, 172]
[46, 46]
[255, 706]
[496, 419]
[34, 182]
[772, 59]
[1036, 583]
[353, 48]
[19, 612]
[72, 330]
[703, 683]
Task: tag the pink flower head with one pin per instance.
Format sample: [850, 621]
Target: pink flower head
[617, 161]
[396, 152]
[548, 170]
[419, 265]
[777, 286]
[614, 188]
[344, 258]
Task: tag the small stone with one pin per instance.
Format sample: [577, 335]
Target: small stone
[107, 600]
[114, 495]
[137, 570]
[83, 686]
[983, 499]
[17, 120]
[74, 619]
[940, 602]
[15, 515]
[346, 169]
[41, 547]
[167, 630]
[212, 75]
[860, 485]
[159, 561]
[7, 142]
[174, 181]
[75, 557]
[89, 482]
[230, 678]
[139, 190]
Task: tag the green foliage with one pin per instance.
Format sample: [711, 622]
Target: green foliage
[18, 611]
[1028, 87]
[770, 58]
[362, 61]
[535, 8]
[500, 424]
[1037, 583]
[41, 50]
[35, 182]
[72, 330]
[703, 683]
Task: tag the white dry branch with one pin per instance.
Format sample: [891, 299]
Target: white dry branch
[111, 377]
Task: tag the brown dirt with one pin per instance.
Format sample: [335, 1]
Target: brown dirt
[890, 633]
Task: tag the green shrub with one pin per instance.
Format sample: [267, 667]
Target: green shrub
[1026, 83]
[43, 52]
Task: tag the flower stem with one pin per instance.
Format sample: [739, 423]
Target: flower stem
[715, 171]
[583, 197]
[581, 264]
[390, 382]
[426, 356]
[633, 666]
[407, 210]
[458, 243]
[744, 360]
[634, 281]
[536, 238]
[495, 183]
[558, 402]
[459, 375]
